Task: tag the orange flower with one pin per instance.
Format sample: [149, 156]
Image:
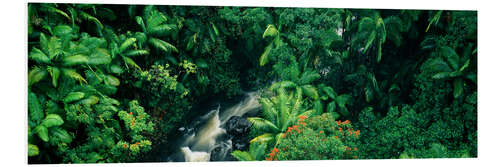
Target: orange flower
[130, 113]
[347, 122]
[340, 129]
[348, 148]
[337, 137]
[320, 131]
[125, 145]
[338, 122]
[355, 149]
[356, 157]
[357, 132]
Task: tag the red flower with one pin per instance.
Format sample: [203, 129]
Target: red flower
[340, 129]
[125, 145]
[130, 113]
[320, 131]
[356, 157]
[355, 149]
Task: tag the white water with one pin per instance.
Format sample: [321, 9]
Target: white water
[198, 145]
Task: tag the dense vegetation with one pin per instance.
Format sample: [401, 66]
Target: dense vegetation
[109, 83]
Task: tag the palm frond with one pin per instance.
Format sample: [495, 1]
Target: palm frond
[136, 53]
[71, 73]
[242, 155]
[75, 60]
[264, 138]
[162, 30]
[127, 43]
[262, 125]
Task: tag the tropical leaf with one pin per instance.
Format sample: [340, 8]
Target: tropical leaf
[267, 109]
[434, 20]
[38, 56]
[242, 155]
[71, 73]
[264, 138]
[75, 60]
[90, 100]
[54, 73]
[130, 62]
[331, 107]
[270, 31]
[73, 96]
[451, 57]
[330, 92]
[52, 120]
[42, 132]
[136, 53]
[310, 91]
[127, 43]
[458, 87]
[111, 80]
[35, 109]
[162, 30]
[91, 18]
[33, 150]
[61, 134]
[369, 42]
[201, 63]
[264, 58]
[162, 45]
[62, 30]
[35, 75]
[262, 125]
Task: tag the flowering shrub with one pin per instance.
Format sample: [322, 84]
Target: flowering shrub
[317, 138]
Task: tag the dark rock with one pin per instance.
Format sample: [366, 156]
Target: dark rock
[238, 129]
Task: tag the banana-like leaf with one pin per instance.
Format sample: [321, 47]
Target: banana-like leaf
[91, 18]
[38, 56]
[140, 21]
[162, 45]
[35, 109]
[42, 132]
[111, 80]
[369, 42]
[330, 92]
[310, 91]
[458, 87]
[136, 53]
[270, 31]
[264, 58]
[61, 134]
[451, 57]
[127, 43]
[62, 30]
[33, 150]
[201, 63]
[71, 73]
[54, 73]
[99, 60]
[263, 125]
[342, 100]
[52, 120]
[264, 138]
[73, 96]
[242, 155]
[90, 100]
[331, 107]
[75, 60]
[130, 62]
[162, 30]
[35, 75]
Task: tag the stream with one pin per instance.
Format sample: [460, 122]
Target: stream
[207, 138]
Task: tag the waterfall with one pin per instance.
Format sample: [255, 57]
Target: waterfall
[199, 145]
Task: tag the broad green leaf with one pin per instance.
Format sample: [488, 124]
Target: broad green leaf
[242, 156]
[329, 91]
[127, 43]
[318, 107]
[42, 132]
[54, 73]
[331, 107]
[61, 134]
[264, 138]
[75, 60]
[91, 18]
[116, 69]
[62, 30]
[35, 109]
[111, 80]
[130, 62]
[90, 100]
[33, 150]
[441, 75]
[71, 73]
[136, 53]
[73, 96]
[162, 45]
[52, 120]
[458, 87]
[451, 57]
[38, 56]
[265, 55]
[35, 75]
[369, 42]
[310, 91]
[201, 63]
[263, 125]
[270, 31]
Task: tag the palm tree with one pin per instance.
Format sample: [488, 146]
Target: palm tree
[279, 112]
[154, 26]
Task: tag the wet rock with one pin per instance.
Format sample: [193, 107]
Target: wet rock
[238, 129]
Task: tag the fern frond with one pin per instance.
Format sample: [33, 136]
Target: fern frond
[262, 125]
[264, 138]
[154, 19]
[267, 109]
[35, 108]
[162, 30]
